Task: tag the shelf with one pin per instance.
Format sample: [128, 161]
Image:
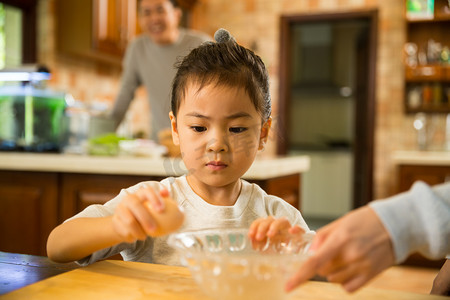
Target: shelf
[428, 73]
[442, 109]
[427, 87]
[443, 18]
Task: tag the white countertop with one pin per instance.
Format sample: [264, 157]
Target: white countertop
[435, 158]
[262, 168]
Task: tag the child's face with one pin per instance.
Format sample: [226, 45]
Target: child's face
[219, 132]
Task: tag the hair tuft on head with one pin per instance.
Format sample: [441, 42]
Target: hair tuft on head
[223, 36]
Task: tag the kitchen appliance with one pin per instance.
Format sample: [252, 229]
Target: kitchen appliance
[32, 117]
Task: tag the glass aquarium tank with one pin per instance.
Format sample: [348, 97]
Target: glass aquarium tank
[32, 116]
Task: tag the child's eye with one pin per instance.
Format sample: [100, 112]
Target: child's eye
[198, 128]
[238, 129]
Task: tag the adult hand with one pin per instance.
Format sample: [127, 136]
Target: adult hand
[441, 284]
[350, 251]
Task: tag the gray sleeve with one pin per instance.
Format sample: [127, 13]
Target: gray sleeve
[130, 81]
[418, 220]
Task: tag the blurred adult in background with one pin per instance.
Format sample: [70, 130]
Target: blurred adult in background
[149, 60]
[355, 248]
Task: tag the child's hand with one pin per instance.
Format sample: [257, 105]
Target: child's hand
[132, 219]
[268, 231]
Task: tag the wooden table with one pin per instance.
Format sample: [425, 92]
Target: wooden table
[19, 270]
[132, 280]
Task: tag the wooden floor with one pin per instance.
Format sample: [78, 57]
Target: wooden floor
[405, 278]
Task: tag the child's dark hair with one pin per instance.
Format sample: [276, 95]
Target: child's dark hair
[224, 63]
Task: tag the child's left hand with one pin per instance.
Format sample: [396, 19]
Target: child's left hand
[270, 230]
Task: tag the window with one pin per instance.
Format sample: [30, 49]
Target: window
[10, 36]
[17, 32]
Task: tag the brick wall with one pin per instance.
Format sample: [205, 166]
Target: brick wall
[255, 23]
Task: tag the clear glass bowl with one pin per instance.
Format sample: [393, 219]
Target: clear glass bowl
[226, 266]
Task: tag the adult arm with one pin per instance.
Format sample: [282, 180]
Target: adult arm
[129, 83]
[418, 220]
[355, 248]
[441, 284]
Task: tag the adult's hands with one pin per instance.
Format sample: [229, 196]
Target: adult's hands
[350, 251]
[441, 284]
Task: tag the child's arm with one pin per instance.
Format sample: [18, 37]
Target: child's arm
[80, 237]
[131, 221]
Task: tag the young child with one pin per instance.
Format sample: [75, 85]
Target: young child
[220, 118]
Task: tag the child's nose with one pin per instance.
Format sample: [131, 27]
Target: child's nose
[218, 142]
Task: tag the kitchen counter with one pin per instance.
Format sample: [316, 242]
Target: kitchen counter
[432, 158]
[262, 168]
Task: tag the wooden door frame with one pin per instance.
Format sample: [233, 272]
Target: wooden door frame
[362, 186]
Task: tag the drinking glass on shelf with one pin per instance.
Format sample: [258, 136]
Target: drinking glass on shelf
[420, 124]
[410, 50]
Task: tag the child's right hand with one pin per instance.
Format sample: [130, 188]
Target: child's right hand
[135, 216]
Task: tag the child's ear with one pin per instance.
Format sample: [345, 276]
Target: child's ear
[264, 133]
[173, 125]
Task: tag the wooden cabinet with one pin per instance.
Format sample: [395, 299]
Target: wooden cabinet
[427, 62]
[101, 29]
[82, 190]
[114, 25]
[97, 29]
[33, 203]
[408, 174]
[28, 210]
[286, 187]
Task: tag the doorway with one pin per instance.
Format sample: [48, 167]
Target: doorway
[326, 106]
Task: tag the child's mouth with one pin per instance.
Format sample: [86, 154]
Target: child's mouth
[216, 165]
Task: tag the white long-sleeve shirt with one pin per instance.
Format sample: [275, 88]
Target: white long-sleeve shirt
[418, 220]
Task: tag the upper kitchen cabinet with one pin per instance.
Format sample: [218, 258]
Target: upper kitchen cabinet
[427, 56]
[114, 25]
[101, 29]
[98, 29]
